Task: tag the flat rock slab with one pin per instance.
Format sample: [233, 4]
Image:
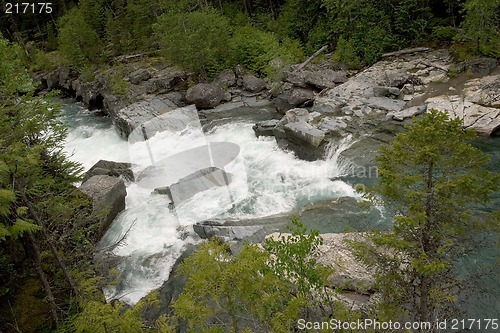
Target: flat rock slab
[485, 120]
[134, 115]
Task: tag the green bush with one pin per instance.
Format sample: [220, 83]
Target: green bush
[198, 41]
[261, 52]
[444, 34]
[346, 54]
[78, 41]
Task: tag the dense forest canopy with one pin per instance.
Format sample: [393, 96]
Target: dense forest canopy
[252, 32]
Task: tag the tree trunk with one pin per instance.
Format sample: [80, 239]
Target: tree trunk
[53, 249]
[43, 279]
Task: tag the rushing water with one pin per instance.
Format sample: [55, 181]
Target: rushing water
[265, 181]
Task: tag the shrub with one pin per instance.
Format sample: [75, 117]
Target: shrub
[78, 42]
[198, 41]
[258, 50]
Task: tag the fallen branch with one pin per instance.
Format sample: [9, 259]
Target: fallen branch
[132, 56]
[405, 51]
[311, 58]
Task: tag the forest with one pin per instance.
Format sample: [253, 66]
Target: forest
[48, 279]
[207, 36]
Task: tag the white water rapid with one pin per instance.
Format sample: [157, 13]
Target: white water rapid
[265, 181]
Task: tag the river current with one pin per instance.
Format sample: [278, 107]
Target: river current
[266, 181]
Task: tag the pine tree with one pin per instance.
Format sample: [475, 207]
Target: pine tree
[432, 177]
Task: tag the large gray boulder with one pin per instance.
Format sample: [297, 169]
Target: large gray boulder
[484, 120]
[194, 183]
[131, 117]
[205, 95]
[265, 128]
[252, 83]
[108, 196]
[110, 168]
[139, 75]
[294, 132]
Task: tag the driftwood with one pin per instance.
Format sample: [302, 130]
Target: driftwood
[311, 58]
[132, 56]
[405, 51]
[438, 66]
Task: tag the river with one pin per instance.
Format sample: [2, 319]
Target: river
[266, 181]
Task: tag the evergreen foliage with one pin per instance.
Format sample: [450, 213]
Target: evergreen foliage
[432, 177]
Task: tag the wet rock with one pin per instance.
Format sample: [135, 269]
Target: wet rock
[205, 95]
[252, 83]
[194, 183]
[108, 197]
[139, 75]
[110, 168]
[265, 128]
[129, 118]
[303, 132]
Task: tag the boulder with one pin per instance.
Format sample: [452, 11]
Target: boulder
[110, 168]
[205, 95]
[485, 120]
[265, 128]
[139, 75]
[299, 96]
[381, 91]
[226, 78]
[484, 91]
[300, 131]
[349, 273]
[131, 117]
[407, 113]
[325, 78]
[165, 80]
[252, 83]
[108, 196]
[194, 183]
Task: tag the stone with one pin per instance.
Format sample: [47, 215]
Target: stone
[408, 113]
[297, 78]
[174, 120]
[381, 91]
[320, 79]
[205, 95]
[484, 91]
[328, 105]
[129, 118]
[199, 181]
[485, 120]
[139, 75]
[110, 168]
[299, 96]
[226, 78]
[108, 196]
[253, 84]
[386, 104]
[332, 126]
[305, 133]
[265, 128]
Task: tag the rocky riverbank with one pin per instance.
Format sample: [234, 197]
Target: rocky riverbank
[319, 110]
